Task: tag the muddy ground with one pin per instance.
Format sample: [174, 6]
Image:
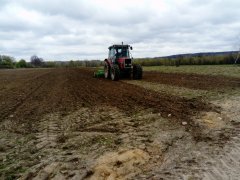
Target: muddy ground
[64, 124]
[193, 81]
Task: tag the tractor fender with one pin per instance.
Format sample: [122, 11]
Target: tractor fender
[107, 61]
[107, 68]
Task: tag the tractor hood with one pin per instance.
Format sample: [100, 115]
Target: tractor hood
[124, 62]
[122, 59]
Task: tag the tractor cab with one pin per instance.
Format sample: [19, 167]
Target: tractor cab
[119, 52]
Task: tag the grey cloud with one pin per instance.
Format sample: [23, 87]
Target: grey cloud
[84, 29]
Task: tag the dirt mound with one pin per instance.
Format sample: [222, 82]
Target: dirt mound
[193, 81]
[119, 165]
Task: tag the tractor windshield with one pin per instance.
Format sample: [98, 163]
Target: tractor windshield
[122, 52]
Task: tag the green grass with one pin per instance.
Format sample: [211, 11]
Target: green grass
[224, 70]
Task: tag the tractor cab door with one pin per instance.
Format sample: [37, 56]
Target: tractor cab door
[112, 55]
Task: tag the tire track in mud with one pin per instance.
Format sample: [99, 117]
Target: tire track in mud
[227, 165]
[49, 130]
[218, 158]
[192, 81]
[201, 161]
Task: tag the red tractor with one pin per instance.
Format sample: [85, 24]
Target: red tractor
[120, 64]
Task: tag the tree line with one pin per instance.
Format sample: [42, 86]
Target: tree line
[8, 62]
[36, 62]
[188, 60]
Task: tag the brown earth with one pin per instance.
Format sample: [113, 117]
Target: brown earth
[28, 95]
[65, 124]
[193, 81]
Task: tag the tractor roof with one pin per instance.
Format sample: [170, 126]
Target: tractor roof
[118, 46]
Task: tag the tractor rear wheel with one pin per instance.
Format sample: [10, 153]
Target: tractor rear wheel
[137, 71]
[106, 70]
[115, 72]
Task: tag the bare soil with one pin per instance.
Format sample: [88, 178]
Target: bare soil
[65, 124]
[193, 81]
[66, 90]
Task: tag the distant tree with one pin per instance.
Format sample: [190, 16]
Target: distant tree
[36, 61]
[50, 64]
[21, 64]
[6, 61]
[71, 63]
[1, 59]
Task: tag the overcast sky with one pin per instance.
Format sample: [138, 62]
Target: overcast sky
[83, 29]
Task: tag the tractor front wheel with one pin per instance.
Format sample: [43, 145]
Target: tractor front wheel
[115, 72]
[106, 71]
[137, 71]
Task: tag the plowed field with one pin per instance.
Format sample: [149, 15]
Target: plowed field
[64, 124]
[31, 95]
